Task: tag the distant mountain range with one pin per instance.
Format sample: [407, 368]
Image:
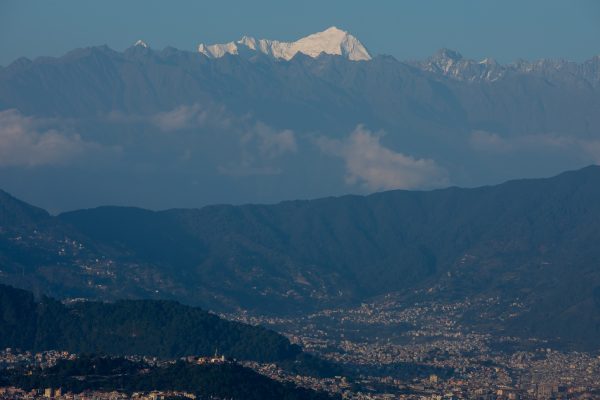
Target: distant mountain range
[453, 65]
[263, 120]
[382, 91]
[531, 243]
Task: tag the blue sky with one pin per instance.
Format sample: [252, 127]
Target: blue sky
[505, 30]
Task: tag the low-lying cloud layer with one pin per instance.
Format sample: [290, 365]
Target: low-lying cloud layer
[191, 116]
[261, 145]
[270, 143]
[586, 149]
[201, 154]
[25, 141]
[375, 167]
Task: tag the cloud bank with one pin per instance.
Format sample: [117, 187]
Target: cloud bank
[24, 141]
[369, 164]
[268, 142]
[260, 147]
[191, 116]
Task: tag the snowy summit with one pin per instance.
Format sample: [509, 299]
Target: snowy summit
[332, 41]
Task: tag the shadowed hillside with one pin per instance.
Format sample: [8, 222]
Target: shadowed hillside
[530, 240]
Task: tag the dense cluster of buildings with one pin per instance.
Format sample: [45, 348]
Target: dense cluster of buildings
[10, 358]
[432, 387]
[419, 352]
[13, 358]
[12, 393]
[383, 341]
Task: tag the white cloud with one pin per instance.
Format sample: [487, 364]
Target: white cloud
[186, 117]
[261, 146]
[376, 167]
[268, 142]
[24, 141]
[249, 147]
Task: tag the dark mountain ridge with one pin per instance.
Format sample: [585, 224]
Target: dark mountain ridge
[529, 241]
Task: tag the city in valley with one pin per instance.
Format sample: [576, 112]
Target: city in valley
[421, 352]
[388, 352]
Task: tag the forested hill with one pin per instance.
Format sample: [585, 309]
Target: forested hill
[132, 327]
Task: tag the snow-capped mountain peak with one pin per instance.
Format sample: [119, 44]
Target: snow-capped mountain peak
[453, 65]
[141, 43]
[332, 41]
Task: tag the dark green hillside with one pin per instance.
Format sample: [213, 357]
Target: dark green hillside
[145, 327]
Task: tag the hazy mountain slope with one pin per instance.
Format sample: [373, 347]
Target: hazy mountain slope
[383, 92]
[29, 238]
[47, 256]
[15, 213]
